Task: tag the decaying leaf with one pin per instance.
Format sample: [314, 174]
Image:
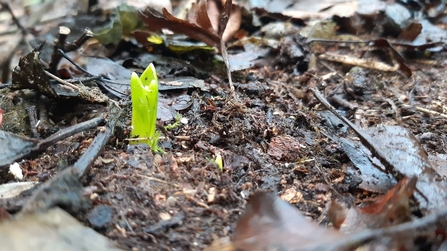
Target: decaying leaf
[390, 209]
[401, 155]
[270, 223]
[54, 229]
[373, 179]
[284, 147]
[29, 74]
[408, 158]
[198, 30]
[198, 26]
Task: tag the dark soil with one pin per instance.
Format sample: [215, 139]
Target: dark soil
[269, 139]
[271, 136]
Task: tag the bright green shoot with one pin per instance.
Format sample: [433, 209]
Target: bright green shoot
[178, 117]
[219, 161]
[144, 91]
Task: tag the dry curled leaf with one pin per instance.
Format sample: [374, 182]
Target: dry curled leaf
[198, 30]
[390, 209]
[198, 26]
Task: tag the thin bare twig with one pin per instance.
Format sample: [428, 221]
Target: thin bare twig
[62, 81]
[431, 112]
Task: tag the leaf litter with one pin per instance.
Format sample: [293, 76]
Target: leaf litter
[375, 179]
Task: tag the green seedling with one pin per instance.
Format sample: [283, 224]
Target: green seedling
[219, 161]
[178, 117]
[144, 93]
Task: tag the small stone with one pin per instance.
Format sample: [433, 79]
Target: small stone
[119, 196]
[100, 216]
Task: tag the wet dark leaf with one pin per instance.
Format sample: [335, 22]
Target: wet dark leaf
[408, 158]
[248, 58]
[181, 102]
[107, 68]
[14, 147]
[116, 76]
[373, 179]
[402, 149]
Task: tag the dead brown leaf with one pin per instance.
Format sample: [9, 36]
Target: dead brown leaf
[198, 26]
[270, 223]
[157, 21]
[388, 210]
[284, 147]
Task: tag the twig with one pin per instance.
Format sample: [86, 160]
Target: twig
[431, 112]
[87, 159]
[62, 81]
[356, 240]
[72, 130]
[87, 79]
[198, 203]
[32, 115]
[158, 180]
[61, 45]
[80, 41]
[364, 138]
[63, 54]
[174, 221]
[58, 43]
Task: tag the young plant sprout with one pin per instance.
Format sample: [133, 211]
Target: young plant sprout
[144, 93]
[219, 161]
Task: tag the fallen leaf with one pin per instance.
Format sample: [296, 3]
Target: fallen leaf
[51, 230]
[198, 26]
[399, 146]
[200, 30]
[337, 213]
[388, 210]
[270, 223]
[284, 147]
[391, 209]
[308, 8]
[373, 179]
[216, 11]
